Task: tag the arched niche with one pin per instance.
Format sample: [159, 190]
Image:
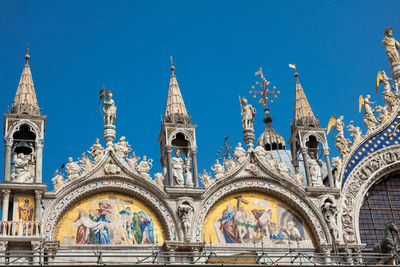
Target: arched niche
[291, 204]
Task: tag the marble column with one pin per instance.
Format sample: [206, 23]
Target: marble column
[6, 200]
[306, 167]
[39, 160]
[38, 206]
[194, 166]
[7, 160]
[325, 152]
[170, 174]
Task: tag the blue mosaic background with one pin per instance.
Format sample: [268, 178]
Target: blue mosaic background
[387, 137]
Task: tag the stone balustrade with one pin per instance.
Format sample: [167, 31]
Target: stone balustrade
[20, 228]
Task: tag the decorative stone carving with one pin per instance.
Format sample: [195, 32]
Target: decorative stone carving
[283, 169]
[20, 172]
[205, 179]
[387, 94]
[177, 169]
[252, 168]
[298, 178]
[111, 169]
[132, 161]
[230, 165]
[144, 167]
[159, 179]
[58, 180]
[122, 147]
[369, 118]
[3, 245]
[355, 132]
[338, 163]
[185, 213]
[240, 154]
[315, 172]
[188, 173]
[342, 144]
[383, 113]
[392, 46]
[330, 211]
[218, 169]
[97, 151]
[109, 108]
[248, 113]
[86, 163]
[73, 169]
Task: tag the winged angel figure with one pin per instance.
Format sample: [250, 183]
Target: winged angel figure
[342, 144]
[369, 117]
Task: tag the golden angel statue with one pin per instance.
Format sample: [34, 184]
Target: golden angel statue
[342, 144]
[369, 117]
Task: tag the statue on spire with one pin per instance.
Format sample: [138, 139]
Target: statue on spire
[248, 113]
[392, 46]
[109, 108]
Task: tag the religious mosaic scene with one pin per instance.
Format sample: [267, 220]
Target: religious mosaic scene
[267, 199]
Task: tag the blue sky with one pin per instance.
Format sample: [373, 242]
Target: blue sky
[76, 46]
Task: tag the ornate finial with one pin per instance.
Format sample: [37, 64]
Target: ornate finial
[27, 57]
[224, 151]
[172, 66]
[265, 90]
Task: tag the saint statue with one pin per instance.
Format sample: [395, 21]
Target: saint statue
[109, 108]
[248, 113]
[315, 172]
[218, 169]
[177, 168]
[188, 173]
[73, 169]
[392, 46]
[240, 153]
[144, 167]
[20, 172]
[122, 147]
[97, 151]
[330, 211]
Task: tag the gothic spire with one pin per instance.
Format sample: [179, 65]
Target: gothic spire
[302, 112]
[175, 111]
[25, 101]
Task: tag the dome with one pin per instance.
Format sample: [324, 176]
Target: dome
[270, 139]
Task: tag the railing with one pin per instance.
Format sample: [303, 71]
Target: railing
[154, 256]
[20, 228]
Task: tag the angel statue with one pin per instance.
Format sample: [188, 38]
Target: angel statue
[342, 144]
[248, 113]
[109, 108]
[387, 94]
[369, 117]
[392, 46]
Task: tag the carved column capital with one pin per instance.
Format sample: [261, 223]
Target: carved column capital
[39, 143]
[168, 148]
[8, 142]
[38, 195]
[6, 193]
[194, 149]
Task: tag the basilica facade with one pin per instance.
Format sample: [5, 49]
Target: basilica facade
[267, 202]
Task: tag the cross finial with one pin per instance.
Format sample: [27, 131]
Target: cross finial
[27, 54]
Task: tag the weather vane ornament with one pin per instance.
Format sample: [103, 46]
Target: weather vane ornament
[224, 151]
[110, 113]
[264, 100]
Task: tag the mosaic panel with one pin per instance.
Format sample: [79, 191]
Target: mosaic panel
[109, 219]
[252, 217]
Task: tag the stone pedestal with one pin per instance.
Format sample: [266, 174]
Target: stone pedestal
[395, 66]
[109, 134]
[248, 138]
